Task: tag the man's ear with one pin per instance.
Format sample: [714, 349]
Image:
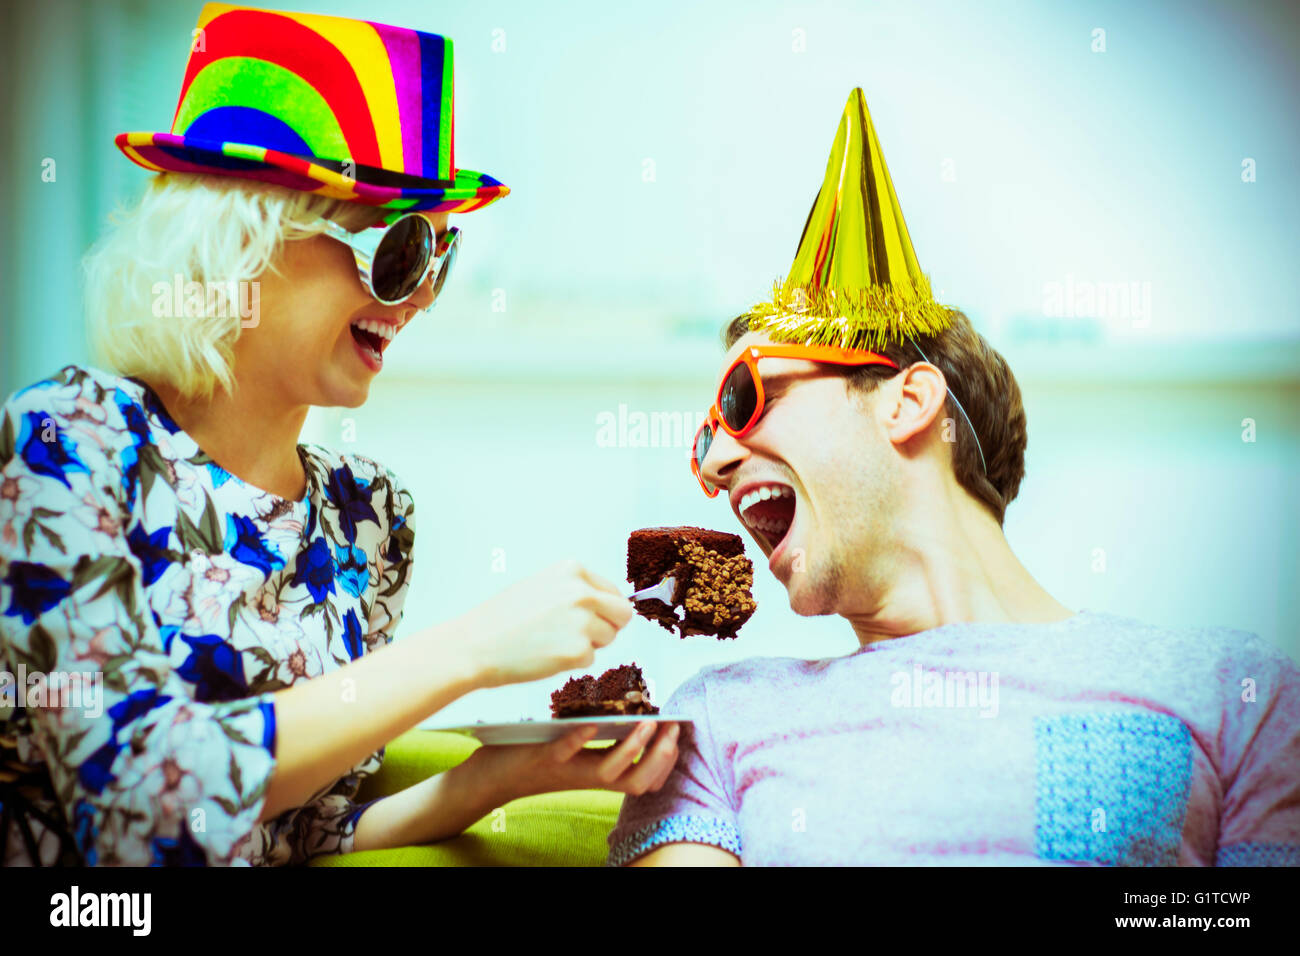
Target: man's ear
[916, 398]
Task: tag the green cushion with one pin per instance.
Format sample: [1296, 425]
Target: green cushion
[550, 829]
[412, 757]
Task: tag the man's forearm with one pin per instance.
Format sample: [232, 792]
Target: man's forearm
[327, 725]
[436, 808]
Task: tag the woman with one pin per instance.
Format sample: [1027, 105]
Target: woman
[163, 531]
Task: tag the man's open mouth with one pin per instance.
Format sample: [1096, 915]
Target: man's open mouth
[768, 511]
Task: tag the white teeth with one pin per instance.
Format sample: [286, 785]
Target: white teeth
[382, 329]
[762, 493]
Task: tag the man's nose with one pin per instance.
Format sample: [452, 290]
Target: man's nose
[724, 456]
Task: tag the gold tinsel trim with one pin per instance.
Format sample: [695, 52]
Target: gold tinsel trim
[858, 319]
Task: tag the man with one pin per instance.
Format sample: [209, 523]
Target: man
[870, 440]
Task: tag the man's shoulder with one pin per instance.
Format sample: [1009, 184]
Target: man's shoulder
[1092, 640]
[750, 673]
[768, 671]
[1181, 644]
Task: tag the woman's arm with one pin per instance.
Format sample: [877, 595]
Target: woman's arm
[434, 809]
[330, 723]
[550, 622]
[443, 806]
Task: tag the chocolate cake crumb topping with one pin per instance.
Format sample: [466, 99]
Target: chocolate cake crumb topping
[719, 589]
[713, 577]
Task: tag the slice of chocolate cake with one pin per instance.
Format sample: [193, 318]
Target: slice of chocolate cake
[713, 578]
[619, 691]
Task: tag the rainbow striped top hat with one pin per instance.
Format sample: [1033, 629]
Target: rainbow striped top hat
[348, 109]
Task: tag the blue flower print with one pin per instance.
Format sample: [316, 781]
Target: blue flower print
[315, 568]
[151, 549]
[35, 589]
[178, 851]
[266, 592]
[352, 634]
[166, 631]
[94, 773]
[136, 422]
[219, 475]
[136, 705]
[352, 498]
[153, 404]
[394, 552]
[311, 518]
[137, 425]
[54, 458]
[84, 831]
[352, 568]
[244, 543]
[214, 668]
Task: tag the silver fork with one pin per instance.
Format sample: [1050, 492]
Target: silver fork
[663, 591]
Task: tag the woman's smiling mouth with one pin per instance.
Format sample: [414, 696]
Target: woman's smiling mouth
[372, 337]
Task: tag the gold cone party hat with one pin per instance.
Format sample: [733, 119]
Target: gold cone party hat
[855, 282]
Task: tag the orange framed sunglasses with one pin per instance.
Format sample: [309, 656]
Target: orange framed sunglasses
[740, 401]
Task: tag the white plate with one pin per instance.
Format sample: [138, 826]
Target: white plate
[544, 731]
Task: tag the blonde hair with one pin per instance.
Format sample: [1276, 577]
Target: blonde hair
[219, 231]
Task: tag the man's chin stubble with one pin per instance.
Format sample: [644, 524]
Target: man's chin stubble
[818, 595]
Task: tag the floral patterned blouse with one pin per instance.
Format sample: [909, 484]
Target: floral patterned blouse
[130, 560]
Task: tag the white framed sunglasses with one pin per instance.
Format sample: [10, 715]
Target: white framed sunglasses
[395, 261]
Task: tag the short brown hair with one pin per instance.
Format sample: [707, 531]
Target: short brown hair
[982, 381]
